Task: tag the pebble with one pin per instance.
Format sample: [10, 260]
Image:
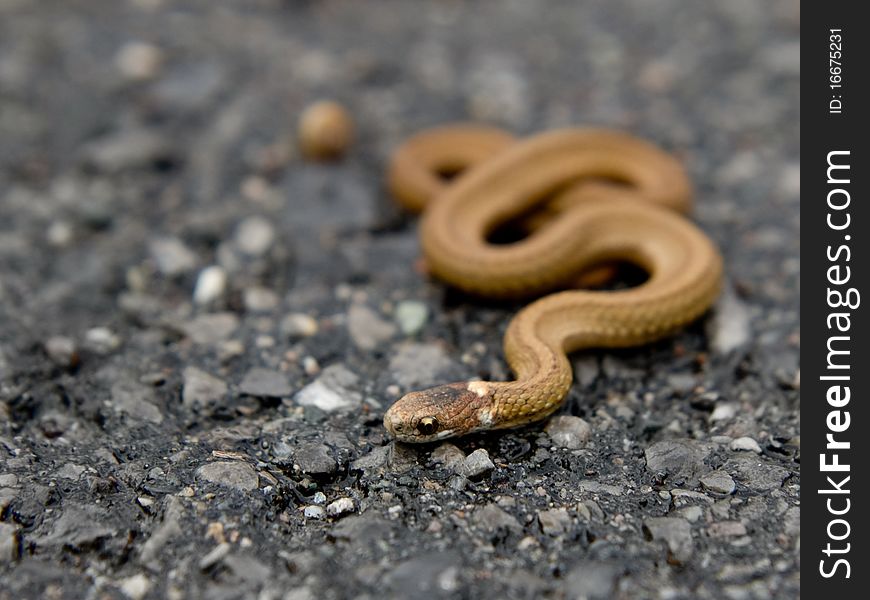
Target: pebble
[136, 401]
[298, 325]
[318, 498]
[554, 522]
[492, 519]
[127, 149]
[333, 390]
[569, 432]
[139, 61]
[448, 455]
[233, 474]
[314, 512]
[367, 329]
[726, 529]
[259, 299]
[411, 315]
[254, 236]
[265, 383]
[169, 529]
[683, 458]
[729, 327]
[691, 513]
[201, 390]
[211, 285]
[314, 458]
[757, 474]
[135, 587]
[419, 365]
[171, 256]
[339, 507]
[62, 351]
[719, 482]
[216, 555]
[592, 580]
[745, 444]
[101, 340]
[476, 464]
[8, 542]
[325, 130]
[210, 329]
[676, 532]
[723, 411]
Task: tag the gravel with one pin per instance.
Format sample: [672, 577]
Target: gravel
[200, 330]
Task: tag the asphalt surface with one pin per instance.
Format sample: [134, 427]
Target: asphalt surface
[200, 331]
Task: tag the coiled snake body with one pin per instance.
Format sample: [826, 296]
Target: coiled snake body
[612, 197]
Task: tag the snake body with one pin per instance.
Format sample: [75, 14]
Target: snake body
[616, 198]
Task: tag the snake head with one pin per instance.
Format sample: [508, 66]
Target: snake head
[440, 412]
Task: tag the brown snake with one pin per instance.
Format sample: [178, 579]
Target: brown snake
[615, 198]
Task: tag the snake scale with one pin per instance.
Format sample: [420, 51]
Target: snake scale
[606, 197]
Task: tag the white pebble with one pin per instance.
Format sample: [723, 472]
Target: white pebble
[314, 512]
[139, 61]
[746, 444]
[340, 507]
[210, 285]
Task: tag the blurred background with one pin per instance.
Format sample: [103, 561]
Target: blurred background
[200, 328]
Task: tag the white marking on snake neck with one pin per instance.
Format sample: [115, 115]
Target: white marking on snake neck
[478, 387]
[485, 417]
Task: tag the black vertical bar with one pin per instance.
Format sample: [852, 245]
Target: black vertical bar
[835, 420]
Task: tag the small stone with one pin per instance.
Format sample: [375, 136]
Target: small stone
[683, 458]
[755, 473]
[592, 580]
[211, 284]
[70, 471]
[419, 365]
[202, 390]
[8, 542]
[569, 432]
[377, 458]
[139, 61]
[171, 256]
[254, 236]
[62, 351]
[334, 390]
[210, 329]
[314, 512]
[492, 519]
[314, 458]
[447, 455]
[730, 325]
[136, 401]
[233, 474]
[719, 482]
[325, 130]
[128, 149]
[367, 329]
[476, 464]
[676, 532]
[259, 299]
[723, 411]
[310, 365]
[217, 554]
[102, 340]
[60, 234]
[726, 529]
[746, 444]
[298, 325]
[265, 383]
[411, 315]
[554, 522]
[318, 498]
[135, 587]
[691, 513]
[342, 506]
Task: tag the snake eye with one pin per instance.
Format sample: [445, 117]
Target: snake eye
[427, 425]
